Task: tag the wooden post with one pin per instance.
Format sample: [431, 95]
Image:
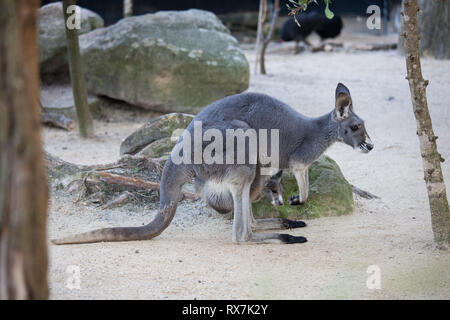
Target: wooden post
[431, 159]
[85, 123]
[23, 181]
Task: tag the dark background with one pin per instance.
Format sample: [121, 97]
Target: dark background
[112, 10]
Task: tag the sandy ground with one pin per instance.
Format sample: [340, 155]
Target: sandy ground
[195, 258]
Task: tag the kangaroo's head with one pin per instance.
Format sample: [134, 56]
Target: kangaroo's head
[273, 190]
[351, 129]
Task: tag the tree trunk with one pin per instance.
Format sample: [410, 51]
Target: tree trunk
[23, 184]
[85, 123]
[260, 32]
[127, 8]
[431, 159]
[276, 10]
[434, 28]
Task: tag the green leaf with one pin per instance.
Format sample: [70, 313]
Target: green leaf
[328, 13]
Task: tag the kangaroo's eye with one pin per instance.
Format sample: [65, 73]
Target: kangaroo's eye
[274, 191]
[354, 128]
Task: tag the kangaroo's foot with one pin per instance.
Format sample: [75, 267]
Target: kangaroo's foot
[276, 223]
[284, 238]
[290, 239]
[292, 224]
[295, 200]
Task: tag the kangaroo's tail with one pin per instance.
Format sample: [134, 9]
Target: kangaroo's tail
[173, 178]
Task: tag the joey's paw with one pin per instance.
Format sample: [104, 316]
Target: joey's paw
[291, 224]
[289, 239]
[295, 200]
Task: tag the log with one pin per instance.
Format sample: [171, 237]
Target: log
[364, 194]
[121, 199]
[136, 183]
[328, 47]
[128, 177]
[57, 120]
[374, 46]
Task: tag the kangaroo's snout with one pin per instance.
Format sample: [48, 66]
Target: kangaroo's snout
[366, 146]
[277, 201]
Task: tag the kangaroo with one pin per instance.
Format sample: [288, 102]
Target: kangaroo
[273, 189]
[302, 140]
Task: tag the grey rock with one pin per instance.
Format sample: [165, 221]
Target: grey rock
[156, 129]
[330, 194]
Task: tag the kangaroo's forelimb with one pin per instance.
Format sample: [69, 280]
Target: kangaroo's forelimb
[302, 177]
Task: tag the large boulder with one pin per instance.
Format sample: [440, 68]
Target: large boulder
[169, 61]
[330, 194]
[52, 35]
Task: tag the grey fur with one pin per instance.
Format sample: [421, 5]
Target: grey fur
[302, 141]
[222, 201]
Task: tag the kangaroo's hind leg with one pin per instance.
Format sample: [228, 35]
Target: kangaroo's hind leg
[242, 232]
[240, 182]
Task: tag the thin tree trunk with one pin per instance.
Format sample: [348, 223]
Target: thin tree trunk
[23, 183]
[431, 159]
[260, 32]
[127, 8]
[276, 10]
[85, 123]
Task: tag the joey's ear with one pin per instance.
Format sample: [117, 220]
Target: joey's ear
[343, 101]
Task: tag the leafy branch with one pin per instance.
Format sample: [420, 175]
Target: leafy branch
[302, 5]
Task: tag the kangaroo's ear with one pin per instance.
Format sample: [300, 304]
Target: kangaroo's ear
[343, 102]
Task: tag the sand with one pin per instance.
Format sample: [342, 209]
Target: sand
[195, 258]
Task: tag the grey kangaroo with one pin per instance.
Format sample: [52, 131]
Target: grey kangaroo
[301, 141]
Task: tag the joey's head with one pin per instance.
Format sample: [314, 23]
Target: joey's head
[351, 129]
[273, 190]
